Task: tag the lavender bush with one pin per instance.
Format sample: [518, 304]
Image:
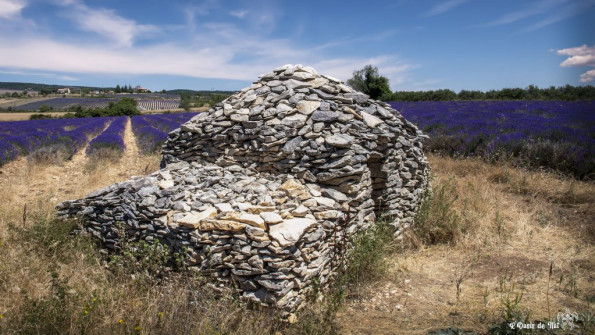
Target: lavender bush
[47, 136]
[110, 139]
[556, 135]
[151, 130]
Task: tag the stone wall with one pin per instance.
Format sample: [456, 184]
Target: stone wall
[263, 189]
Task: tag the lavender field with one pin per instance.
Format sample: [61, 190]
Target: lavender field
[24, 138]
[151, 130]
[20, 138]
[553, 135]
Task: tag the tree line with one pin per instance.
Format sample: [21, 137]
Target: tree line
[369, 81]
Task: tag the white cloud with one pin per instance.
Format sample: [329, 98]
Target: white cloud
[242, 58]
[444, 6]
[580, 56]
[214, 50]
[9, 9]
[588, 76]
[106, 22]
[239, 13]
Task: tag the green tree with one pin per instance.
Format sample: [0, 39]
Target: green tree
[185, 98]
[368, 81]
[118, 89]
[124, 106]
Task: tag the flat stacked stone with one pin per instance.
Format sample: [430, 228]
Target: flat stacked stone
[265, 188]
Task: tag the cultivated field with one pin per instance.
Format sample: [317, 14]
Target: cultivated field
[12, 102]
[494, 244]
[144, 103]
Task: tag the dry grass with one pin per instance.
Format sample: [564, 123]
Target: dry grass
[511, 226]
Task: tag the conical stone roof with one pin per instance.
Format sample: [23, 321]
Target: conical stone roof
[266, 188]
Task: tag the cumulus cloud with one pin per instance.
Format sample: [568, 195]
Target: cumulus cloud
[580, 56]
[9, 9]
[588, 76]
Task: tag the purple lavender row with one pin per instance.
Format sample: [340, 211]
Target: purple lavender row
[168, 122]
[25, 137]
[151, 130]
[47, 125]
[111, 138]
[552, 134]
[148, 138]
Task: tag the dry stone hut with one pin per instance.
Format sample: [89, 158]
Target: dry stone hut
[264, 189]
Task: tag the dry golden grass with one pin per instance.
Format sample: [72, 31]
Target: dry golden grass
[512, 225]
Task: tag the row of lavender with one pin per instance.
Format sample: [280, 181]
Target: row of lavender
[65, 103]
[25, 137]
[557, 135]
[21, 138]
[151, 130]
[110, 139]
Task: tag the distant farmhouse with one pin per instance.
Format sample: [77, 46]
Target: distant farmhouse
[140, 89]
[65, 90]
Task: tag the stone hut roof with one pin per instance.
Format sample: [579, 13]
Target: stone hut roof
[312, 126]
[266, 188]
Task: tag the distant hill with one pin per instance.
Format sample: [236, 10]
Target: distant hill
[39, 87]
[201, 92]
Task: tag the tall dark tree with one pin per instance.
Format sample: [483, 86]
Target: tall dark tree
[367, 80]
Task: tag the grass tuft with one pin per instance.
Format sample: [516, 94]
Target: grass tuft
[437, 221]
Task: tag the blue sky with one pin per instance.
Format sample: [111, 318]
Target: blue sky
[217, 44]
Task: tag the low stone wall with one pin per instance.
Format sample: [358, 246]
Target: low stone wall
[270, 234]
